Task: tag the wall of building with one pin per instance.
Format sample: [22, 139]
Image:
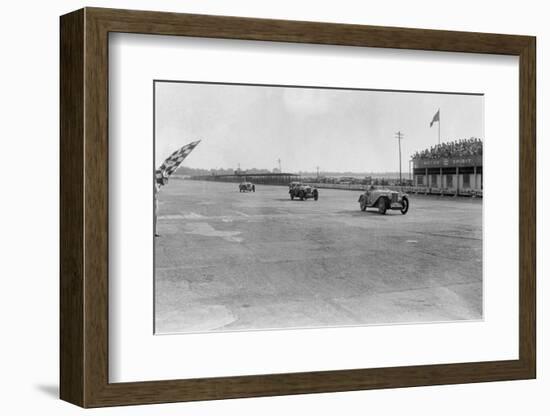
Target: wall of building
[443, 179]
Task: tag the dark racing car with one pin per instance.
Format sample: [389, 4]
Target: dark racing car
[302, 191]
[247, 187]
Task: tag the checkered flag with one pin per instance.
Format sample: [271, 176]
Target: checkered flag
[173, 162]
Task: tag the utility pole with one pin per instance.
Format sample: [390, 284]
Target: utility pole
[399, 136]
[280, 169]
[317, 172]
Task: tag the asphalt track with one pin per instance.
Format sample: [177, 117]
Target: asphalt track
[231, 261]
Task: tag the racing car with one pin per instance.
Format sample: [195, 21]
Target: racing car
[302, 191]
[384, 199]
[247, 187]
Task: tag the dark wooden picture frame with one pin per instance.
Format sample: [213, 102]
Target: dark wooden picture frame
[84, 207]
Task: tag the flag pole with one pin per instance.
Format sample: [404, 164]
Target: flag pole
[439, 127]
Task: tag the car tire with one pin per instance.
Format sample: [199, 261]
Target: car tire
[405, 205]
[363, 204]
[381, 206]
[292, 196]
[315, 196]
[301, 195]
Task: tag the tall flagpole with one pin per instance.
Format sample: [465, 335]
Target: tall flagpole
[439, 127]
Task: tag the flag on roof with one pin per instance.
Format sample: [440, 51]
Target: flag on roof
[170, 165]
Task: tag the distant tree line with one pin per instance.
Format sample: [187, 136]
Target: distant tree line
[187, 171]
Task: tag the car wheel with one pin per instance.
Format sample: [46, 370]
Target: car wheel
[301, 195]
[253, 188]
[292, 196]
[382, 206]
[363, 204]
[405, 205]
[315, 196]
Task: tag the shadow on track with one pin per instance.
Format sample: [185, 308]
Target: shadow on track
[292, 200]
[369, 213]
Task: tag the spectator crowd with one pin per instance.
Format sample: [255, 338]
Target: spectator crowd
[458, 148]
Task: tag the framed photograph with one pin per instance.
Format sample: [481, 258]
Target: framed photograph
[255, 207]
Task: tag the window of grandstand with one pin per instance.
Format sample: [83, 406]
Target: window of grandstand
[434, 180]
[449, 181]
[420, 179]
[466, 181]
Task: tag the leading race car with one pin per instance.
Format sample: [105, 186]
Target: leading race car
[384, 199]
[247, 187]
[302, 191]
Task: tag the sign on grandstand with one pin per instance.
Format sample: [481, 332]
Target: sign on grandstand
[449, 162]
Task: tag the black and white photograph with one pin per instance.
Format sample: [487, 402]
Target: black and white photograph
[291, 207]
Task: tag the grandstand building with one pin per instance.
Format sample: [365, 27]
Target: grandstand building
[449, 173]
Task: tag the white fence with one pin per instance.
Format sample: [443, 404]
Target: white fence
[422, 190]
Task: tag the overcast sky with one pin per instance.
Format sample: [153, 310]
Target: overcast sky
[335, 129]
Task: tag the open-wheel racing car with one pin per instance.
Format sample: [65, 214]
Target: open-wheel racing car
[384, 199]
[247, 187]
[302, 191]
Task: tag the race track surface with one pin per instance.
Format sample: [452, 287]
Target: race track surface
[231, 261]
